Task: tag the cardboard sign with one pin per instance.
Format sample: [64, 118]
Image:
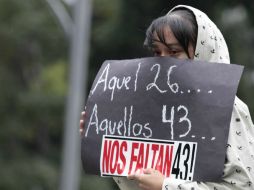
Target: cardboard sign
[163, 113]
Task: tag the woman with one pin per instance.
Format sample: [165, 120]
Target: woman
[187, 33]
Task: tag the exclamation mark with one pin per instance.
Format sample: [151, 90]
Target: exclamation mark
[192, 160]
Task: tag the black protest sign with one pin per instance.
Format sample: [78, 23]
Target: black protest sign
[171, 115]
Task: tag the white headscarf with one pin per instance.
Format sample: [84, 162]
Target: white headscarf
[211, 45]
[239, 168]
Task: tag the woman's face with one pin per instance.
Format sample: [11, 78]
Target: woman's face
[172, 49]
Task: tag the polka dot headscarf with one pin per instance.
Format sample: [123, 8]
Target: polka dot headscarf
[211, 45]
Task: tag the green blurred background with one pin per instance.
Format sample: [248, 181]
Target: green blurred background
[34, 63]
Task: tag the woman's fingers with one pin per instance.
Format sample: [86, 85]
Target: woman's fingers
[81, 126]
[148, 171]
[143, 186]
[136, 175]
[149, 179]
[83, 115]
[131, 177]
[82, 122]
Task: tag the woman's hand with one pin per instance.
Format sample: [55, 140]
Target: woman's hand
[82, 122]
[150, 179]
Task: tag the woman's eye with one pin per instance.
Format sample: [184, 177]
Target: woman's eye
[173, 52]
[156, 53]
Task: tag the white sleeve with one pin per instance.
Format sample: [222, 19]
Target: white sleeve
[239, 167]
[174, 184]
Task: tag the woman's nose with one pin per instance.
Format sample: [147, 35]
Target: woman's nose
[163, 54]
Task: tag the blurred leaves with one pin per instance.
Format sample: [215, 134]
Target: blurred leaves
[33, 88]
[28, 173]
